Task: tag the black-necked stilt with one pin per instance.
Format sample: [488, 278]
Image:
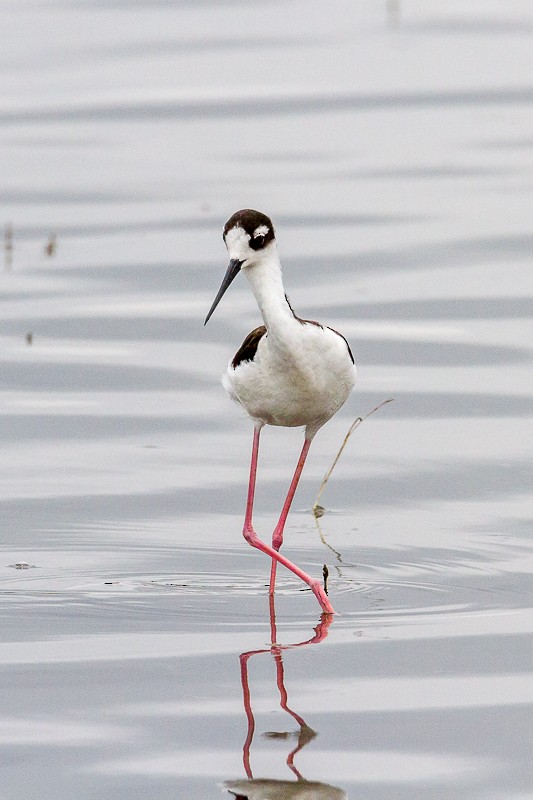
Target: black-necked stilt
[289, 372]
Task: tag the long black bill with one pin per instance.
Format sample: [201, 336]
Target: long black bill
[232, 271]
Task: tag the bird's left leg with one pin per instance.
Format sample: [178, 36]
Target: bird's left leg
[277, 536]
[252, 538]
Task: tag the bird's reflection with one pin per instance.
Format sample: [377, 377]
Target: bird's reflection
[269, 789]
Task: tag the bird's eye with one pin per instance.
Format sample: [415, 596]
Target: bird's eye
[259, 240]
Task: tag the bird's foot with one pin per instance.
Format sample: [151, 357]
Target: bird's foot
[318, 590]
[316, 586]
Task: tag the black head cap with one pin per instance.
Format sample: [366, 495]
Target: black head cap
[250, 221]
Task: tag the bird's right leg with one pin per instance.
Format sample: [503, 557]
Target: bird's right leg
[251, 483]
[253, 539]
[277, 536]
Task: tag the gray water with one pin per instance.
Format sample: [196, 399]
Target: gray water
[392, 145]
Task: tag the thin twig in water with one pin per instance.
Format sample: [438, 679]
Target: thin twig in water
[323, 539]
[317, 509]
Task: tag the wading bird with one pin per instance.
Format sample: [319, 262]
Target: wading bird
[289, 372]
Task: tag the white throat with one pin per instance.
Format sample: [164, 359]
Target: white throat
[266, 282]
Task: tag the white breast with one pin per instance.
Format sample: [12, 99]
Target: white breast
[298, 379]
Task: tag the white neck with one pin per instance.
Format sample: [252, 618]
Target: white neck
[267, 285]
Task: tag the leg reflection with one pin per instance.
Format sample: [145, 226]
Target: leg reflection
[261, 789]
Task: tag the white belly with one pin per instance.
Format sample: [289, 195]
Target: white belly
[301, 382]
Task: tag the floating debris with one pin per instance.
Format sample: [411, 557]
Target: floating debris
[29, 338]
[51, 245]
[8, 246]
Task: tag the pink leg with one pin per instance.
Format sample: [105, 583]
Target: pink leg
[252, 538]
[251, 482]
[277, 536]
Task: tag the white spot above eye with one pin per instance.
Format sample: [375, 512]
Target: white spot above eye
[237, 237]
[262, 230]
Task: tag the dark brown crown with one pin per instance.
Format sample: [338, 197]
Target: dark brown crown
[249, 220]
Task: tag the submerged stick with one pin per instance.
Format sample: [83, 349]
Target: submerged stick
[325, 573]
[317, 509]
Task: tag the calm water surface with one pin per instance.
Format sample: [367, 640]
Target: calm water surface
[392, 144]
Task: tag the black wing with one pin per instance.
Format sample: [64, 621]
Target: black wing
[248, 348]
